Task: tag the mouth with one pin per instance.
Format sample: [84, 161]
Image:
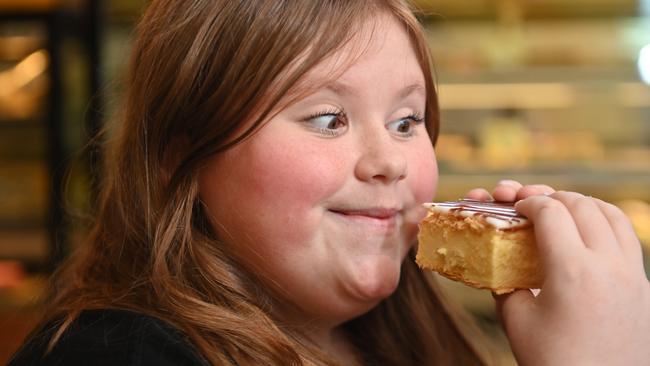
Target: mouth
[384, 218]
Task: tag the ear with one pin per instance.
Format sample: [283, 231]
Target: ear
[172, 157]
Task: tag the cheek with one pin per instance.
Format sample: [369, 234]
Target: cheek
[280, 181]
[423, 171]
[294, 176]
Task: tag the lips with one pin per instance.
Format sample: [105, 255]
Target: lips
[375, 213]
[377, 216]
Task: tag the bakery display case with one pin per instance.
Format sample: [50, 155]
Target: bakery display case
[24, 63]
[569, 108]
[49, 69]
[542, 92]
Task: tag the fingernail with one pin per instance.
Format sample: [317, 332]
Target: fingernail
[508, 182]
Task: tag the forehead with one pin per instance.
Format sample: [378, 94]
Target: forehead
[382, 47]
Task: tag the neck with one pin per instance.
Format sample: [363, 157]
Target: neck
[327, 335]
[335, 343]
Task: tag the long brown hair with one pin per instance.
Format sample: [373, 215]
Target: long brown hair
[201, 70]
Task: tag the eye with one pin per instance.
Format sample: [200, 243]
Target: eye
[329, 123]
[405, 127]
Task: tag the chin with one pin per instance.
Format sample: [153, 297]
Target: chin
[375, 280]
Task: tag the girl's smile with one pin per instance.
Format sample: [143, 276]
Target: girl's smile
[382, 219]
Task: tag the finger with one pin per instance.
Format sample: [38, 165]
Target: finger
[593, 226]
[506, 190]
[558, 239]
[533, 189]
[623, 230]
[512, 309]
[479, 194]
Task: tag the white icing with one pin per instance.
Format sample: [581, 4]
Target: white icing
[501, 224]
[500, 216]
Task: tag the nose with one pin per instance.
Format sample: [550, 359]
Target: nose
[381, 161]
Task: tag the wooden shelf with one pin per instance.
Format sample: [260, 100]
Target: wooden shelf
[28, 5]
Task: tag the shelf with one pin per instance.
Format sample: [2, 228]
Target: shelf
[21, 123]
[24, 187]
[32, 9]
[540, 95]
[606, 185]
[509, 11]
[27, 246]
[16, 47]
[28, 5]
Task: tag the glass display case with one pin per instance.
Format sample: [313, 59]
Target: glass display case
[555, 101]
[542, 92]
[49, 68]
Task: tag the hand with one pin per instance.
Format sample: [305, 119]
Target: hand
[594, 306]
[509, 191]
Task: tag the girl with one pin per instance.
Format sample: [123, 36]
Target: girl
[261, 201]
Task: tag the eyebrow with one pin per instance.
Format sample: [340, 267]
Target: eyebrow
[343, 89]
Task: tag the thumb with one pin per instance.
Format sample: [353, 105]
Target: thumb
[513, 310]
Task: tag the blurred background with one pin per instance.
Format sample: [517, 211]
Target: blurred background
[541, 91]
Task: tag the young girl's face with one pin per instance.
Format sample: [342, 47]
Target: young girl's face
[323, 201]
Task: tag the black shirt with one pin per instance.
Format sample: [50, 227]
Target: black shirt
[111, 337]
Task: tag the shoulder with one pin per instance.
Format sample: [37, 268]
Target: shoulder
[111, 337]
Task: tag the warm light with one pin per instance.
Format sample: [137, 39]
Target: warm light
[644, 64]
[23, 73]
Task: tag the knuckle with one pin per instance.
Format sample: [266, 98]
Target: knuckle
[576, 201]
[617, 216]
[582, 202]
[547, 187]
[542, 187]
[571, 195]
[574, 274]
[551, 207]
[623, 222]
[616, 211]
[566, 195]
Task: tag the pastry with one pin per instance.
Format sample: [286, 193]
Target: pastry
[482, 244]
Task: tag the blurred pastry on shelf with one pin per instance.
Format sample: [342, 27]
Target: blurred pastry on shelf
[505, 141]
[568, 146]
[23, 86]
[11, 273]
[631, 157]
[24, 191]
[456, 149]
